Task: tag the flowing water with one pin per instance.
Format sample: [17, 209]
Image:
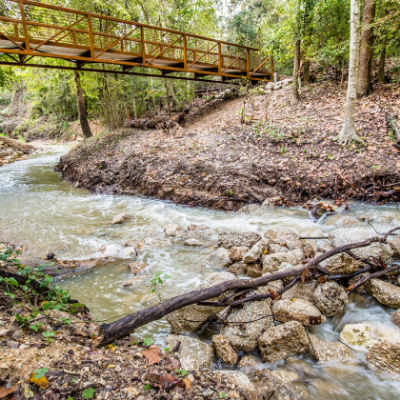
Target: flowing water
[39, 210]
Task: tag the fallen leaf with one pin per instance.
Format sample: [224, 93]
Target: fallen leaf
[187, 383]
[28, 392]
[6, 391]
[168, 381]
[42, 382]
[152, 354]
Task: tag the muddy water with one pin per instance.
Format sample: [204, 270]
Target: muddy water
[39, 210]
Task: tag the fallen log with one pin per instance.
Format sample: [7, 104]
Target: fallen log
[125, 326]
[17, 145]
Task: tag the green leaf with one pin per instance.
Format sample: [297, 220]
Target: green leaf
[223, 394]
[88, 393]
[39, 373]
[147, 387]
[147, 342]
[34, 327]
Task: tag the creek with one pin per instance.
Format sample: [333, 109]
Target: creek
[40, 211]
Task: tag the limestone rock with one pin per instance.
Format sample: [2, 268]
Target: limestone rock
[193, 243]
[121, 218]
[272, 202]
[272, 262]
[289, 238]
[237, 253]
[172, 230]
[238, 268]
[301, 291]
[137, 267]
[310, 249]
[395, 245]
[279, 342]
[220, 258]
[271, 234]
[384, 292]
[396, 318]
[357, 335]
[232, 239]
[253, 254]
[286, 267]
[177, 319]
[385, 356]
[277, 248]
[135, 281]
[246, 387]
[330, 351]
[250, 209]
[193, 353]
[301, 310]
[330, 298]
[250, 361]
[224, 349]
[134, 243]
[253, 270]
[246, 339]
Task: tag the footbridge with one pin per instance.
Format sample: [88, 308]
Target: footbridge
[33, 34]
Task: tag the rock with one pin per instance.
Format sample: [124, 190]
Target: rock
[250, 209]
[137, 267]
[329, 351]
[339, 221]
[385, 356]
[101, 249]
[309, 250]
[246, 339]
[272, 202]
[357, 335]
[395, 245]
[138, 244]
[195, 228]
[289, 238]
[220, 258]
[232, 239]
[330, 298]
[253, 270]
[277, 248]
[135, 281]
[240, 380]
[193, 243]
[249, 362]
[238, 268]
[121, 218]
[301, 310]
[396, 318]
[298, 255]
[193, 353]
[177, 319]
[355, 279]
[272, 262]
[253, 254]
[271, 234]
[237, 253]
[224, 349]
[279, 342]
[172, 230]
[384, 292]
[286, 267]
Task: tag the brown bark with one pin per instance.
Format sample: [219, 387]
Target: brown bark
[306, 72]
[128, 324]
[382, 59]
[80, 101]
[17, 145]
[14, 108]
[296, 63]
[364, 86]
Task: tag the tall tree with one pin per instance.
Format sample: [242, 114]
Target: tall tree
[364, 86]
[348, 132]
[80, 100]
[296, 56]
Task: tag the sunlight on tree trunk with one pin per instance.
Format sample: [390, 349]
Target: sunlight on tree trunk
[296, 62]
[382, 59]
[80, 100]
[134, 105]
[364, 87]
[348, 132]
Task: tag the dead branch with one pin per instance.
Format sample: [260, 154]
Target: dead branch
[126, 325]
[17, 145]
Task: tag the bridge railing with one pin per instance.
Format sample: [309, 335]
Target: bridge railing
[32, 29]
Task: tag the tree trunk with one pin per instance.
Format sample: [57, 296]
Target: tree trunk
[167, 94]
[382, 59]
[348, 132]
[14, 108]
[342, 78]
[80, 100]
[296, 62]
[134, 105]
[336, 71]
[306, 72]
[364, 87]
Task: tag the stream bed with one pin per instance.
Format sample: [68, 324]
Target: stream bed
[40, 211]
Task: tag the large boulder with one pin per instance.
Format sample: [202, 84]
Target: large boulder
[301, 310]
[272, 262]
[330, 298]
[358, 335]
[246, 339]
[289, 238]
[253, 254]
[329, 351]
[279, 342]
[179, 319]
[224, 349]
[237, 253]
[193, 354]
[385, 356]
[384, 292]
[220, 258]
[232, 239]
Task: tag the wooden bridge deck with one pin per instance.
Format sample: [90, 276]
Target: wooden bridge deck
[29, 29]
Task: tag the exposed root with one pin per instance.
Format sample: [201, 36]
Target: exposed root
[346, 137]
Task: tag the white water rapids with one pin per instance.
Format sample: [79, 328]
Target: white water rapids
[40, 211]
